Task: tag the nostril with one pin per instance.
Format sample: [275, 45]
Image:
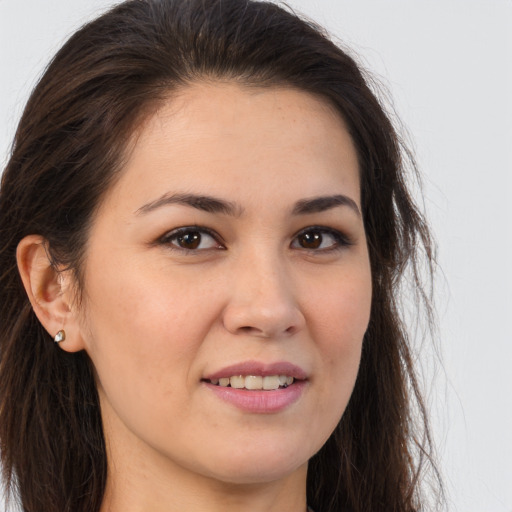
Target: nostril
[262, 320]
[265, 333]
[255, 331]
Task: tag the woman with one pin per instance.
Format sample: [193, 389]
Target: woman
[204, 225]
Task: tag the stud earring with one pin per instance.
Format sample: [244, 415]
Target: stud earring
[60, 336]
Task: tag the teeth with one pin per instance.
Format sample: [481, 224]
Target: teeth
[237, 382]
[271, 382]
[254, 382]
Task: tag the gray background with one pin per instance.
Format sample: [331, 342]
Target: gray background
[448, 66]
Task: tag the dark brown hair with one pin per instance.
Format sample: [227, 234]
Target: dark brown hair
[68, 150]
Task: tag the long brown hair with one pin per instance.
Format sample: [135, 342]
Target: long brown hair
[68, 150]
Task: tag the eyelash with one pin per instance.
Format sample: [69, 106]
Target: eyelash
[175, 234]
[341, 241]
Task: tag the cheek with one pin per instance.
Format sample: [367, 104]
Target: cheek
[144, 331]
[341, 318]
[144, 335]
[150, 306]
[340, 311]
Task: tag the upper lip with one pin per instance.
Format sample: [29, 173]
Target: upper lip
[259, 368]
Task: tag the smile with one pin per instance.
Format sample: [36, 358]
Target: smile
[257, 387]
[254, 382]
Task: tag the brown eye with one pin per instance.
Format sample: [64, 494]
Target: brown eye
[320, 239]
[191, 239]
[311, 240]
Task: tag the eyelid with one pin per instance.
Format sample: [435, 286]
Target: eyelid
[342, 240]
[174, 233]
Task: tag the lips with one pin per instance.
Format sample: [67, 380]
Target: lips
[258, 388]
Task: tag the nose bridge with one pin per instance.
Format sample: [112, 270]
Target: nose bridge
[262, 300]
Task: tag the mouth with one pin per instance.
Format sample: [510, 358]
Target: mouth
[259, 388]
[254, 382]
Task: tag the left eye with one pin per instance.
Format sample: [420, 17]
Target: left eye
[191, 239]
[319, 239]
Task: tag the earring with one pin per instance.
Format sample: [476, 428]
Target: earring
[60, 336]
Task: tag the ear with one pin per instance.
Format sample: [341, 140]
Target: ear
[50, 291]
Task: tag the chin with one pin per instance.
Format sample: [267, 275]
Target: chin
[256, 464]
[257, 472]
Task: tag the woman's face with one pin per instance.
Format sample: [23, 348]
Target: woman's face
[232, 249]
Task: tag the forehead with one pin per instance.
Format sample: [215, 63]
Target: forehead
[234, 138]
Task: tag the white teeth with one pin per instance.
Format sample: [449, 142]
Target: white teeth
[254, 382]
[237, 381]
[271, 382]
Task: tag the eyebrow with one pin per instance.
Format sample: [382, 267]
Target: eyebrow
[200, 202]
[214, 205]
[323, 203]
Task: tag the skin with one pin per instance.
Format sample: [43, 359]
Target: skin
[157, 317]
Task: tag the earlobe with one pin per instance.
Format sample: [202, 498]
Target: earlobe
[50, 292]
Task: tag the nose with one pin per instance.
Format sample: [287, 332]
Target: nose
[263, 302]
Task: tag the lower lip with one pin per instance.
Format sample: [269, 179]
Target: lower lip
[260, 402]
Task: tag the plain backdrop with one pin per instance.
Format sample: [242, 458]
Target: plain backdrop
[448, 67]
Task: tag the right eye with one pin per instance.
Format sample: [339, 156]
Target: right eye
[191, 239]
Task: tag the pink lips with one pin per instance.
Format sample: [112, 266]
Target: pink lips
[256, 401]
